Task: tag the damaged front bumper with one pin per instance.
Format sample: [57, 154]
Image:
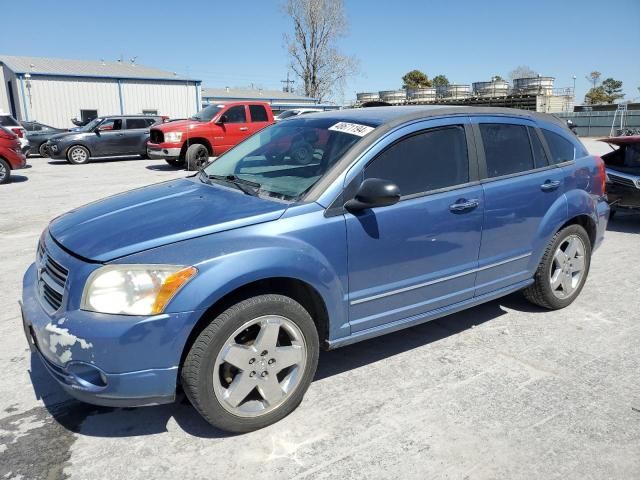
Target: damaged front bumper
[110, 360]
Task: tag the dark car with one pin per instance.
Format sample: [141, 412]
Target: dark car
[118, 136]
[623, 173]
[38, 134]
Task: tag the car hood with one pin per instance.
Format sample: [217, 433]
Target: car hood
[157, 215]
[62, 135]
[179, 125]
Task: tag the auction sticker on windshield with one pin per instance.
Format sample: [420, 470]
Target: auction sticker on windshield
[352, 128]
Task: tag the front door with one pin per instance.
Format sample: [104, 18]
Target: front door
[108, 140]
[234, 129]
[520, 189]
[420, 254]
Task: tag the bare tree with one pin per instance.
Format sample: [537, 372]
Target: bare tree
[315, 58]
[522, 71]
[593, 78]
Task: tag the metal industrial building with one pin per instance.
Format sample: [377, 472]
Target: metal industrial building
[278, 100]
[53, 91]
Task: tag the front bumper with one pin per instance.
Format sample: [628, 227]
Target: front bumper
[55, 151]
[159, 152]
[111, 360]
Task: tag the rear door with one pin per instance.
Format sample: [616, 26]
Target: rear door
[520, 188]
[420, 254]
[259, 118]
[136, 135]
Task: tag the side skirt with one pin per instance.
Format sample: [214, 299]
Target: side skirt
[424, 317]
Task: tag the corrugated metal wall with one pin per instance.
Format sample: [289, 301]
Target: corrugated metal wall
[55, 100]
[598, 124]
[9, 80]
[175, 99]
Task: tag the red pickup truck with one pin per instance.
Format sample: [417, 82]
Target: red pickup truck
[210, 132]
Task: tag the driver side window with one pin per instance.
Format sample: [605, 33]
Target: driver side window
[236, 114]
[424, 161]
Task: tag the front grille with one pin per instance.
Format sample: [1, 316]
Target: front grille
[627, 182]
[52, 278]
[156, 136]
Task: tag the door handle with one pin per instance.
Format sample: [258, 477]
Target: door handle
[244, 129]
[550, 185]
[463, 205]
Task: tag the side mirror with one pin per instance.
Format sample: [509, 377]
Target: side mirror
[374, 192]
[222, 119]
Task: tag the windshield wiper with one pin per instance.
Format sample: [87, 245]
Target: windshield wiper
[247, 186]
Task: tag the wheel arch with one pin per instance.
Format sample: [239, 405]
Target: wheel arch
[299, 290]
[195, 141]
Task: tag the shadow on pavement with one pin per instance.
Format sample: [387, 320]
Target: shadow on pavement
[163, 168]
[18, 178]
[96, 421]
[625, 222]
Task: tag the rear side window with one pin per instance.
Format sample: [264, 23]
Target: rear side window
[133, 123]
[258, 113]
[236, 115]
[562, 150]
[8, 121]
[425, 161]
[506, 149]
[539, 155]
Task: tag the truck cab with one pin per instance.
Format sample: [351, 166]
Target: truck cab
[210, 132]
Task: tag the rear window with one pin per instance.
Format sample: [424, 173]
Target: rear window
[562, 150]
[8, 121]
[258, 113]
[507, 149]
[133, 123]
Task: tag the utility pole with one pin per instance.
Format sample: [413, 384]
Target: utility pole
[287, 88]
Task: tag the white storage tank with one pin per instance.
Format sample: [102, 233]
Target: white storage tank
[533, 85]
[456, 90]
[494, 88]
[421, 94]
[364, 97]
[393, 96]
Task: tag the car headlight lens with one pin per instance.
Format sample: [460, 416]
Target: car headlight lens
[172, 136]
[134, 289]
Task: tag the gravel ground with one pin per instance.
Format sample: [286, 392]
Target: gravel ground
[504, 390]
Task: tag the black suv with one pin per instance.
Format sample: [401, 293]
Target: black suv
[119, 136]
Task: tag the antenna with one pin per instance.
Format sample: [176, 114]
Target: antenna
[287, 88]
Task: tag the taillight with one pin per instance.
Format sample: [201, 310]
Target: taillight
[18, 131]
[602, 173]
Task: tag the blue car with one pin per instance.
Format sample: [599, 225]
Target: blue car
[226, 284]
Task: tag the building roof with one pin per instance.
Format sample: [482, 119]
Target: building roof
[87, 68]
[252, 94]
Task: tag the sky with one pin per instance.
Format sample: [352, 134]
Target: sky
[239, 43]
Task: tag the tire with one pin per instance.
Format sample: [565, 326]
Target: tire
[78, 155]
[559, 278]
[42, 150]
[236, 335]
[175, 162]
[5, 172]
[197, 156]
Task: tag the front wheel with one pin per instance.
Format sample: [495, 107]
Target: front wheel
[196, 157]
[78, 155]
[42, 150]
[251, 366]
[5, 172]
[563, 269]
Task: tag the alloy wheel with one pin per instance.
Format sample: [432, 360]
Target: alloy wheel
[259, 366]
[78, 155]
[568, 267]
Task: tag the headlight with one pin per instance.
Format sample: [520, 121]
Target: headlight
[134, 289]
[172, 136]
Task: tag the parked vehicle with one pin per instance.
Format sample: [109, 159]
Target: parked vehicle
[228, 282]
[10, 123]
[38, 134]
[11, 156]
[118, 136]
[295, 112]
[623, 173]
[210, 132]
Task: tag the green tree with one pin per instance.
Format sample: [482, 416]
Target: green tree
[497, 78]
[596, 96]
[415, 79]
[613, 89]
[440, 81]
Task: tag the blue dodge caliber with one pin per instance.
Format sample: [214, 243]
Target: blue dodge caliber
[322, 230]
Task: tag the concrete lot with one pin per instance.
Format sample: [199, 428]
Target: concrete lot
[504, 390]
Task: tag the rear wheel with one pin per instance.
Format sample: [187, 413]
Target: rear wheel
[42, 150]
[5, 171]
[563, 269]
[251, 366]
[78, 155]
[197, 156]
[175, 162]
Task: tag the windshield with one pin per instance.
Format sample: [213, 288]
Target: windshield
[287, 114]
[91, 125]
[285, 159]
[207, 113]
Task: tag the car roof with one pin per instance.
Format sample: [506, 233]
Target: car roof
[377, 116]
